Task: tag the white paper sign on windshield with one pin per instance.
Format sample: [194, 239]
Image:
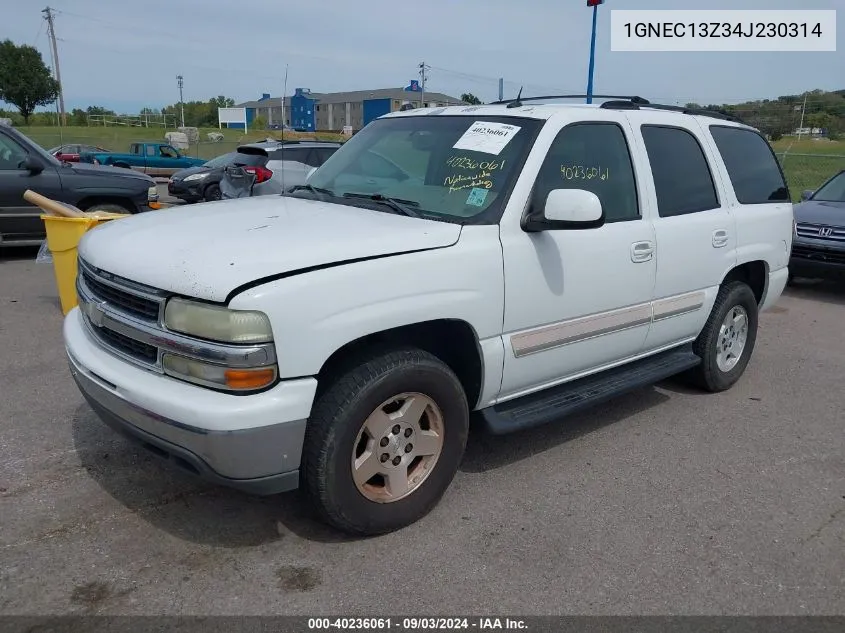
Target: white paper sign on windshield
[487, 137]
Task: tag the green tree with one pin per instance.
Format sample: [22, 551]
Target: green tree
[78, 117]
[221, 102]
[470, 98]
[25, 80]
[258, 123]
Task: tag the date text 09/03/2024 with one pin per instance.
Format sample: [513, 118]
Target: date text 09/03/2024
[415, 624]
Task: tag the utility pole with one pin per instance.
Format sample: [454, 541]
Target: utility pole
[51, 31]
[423, 76]
[181, 100]
[801, 125]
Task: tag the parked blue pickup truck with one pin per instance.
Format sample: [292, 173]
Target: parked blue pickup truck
[153, 159]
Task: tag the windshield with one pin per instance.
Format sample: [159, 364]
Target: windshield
[833, 190]
[455, 168]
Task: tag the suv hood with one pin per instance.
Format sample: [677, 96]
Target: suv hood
[87, 169]
[820, 212]
[211, 249]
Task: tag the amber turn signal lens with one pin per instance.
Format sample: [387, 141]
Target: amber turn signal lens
[249, 378]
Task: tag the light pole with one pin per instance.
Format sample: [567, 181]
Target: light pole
[595, 4]
[181, 100]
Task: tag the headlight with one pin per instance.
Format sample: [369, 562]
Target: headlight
[199, 176]
[210, 375]
[216, 323]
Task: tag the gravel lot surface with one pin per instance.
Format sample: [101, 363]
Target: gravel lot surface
[664, 501]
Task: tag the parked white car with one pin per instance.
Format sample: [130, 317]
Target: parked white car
[286, 164]
[525, 261]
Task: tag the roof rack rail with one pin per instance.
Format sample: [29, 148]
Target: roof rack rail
[715, 114]
[520, 99]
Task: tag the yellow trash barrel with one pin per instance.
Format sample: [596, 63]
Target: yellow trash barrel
[63, 235]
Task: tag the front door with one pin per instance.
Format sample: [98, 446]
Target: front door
[579, 300]
[20, 220]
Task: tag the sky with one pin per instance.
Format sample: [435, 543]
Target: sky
[126, 55]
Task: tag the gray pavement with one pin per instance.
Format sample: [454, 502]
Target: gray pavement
[666, 501]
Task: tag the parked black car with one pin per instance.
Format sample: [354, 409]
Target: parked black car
[818, 247]
[25, 165]
[203, 183]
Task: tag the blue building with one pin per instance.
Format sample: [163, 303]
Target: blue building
[310, 112]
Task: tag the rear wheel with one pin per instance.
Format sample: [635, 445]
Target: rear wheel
[212, 192]
[384, 441]
[727, 341]
[111, 207]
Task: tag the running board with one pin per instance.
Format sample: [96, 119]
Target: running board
[550, 405]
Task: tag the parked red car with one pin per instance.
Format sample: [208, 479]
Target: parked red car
[70, 153]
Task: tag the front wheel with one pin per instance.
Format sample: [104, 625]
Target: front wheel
[384, 441]
[727, 341]
[212, 193]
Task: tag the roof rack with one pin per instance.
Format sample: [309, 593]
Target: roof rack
[515, 103]
[630, 105]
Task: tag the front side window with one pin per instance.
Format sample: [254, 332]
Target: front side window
[455, 168]
[12, 155]
[593, 157]
[169, 152]
[682, 177]
[833, 190]
[751, 164]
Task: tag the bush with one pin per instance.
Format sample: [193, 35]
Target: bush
[259, 123]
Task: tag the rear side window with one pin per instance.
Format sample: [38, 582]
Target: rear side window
[682, 177]
[323, 153]
[752, 167]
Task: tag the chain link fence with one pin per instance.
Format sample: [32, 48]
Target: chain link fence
[809, 171]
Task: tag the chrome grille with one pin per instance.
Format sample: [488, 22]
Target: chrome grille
[820, 231]
[126, 318]
[132, 309]
[115, 293]
[129, 346]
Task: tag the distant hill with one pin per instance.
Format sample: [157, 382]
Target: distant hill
[782, 116]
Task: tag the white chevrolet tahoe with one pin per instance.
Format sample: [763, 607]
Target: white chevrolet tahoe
[513, 262]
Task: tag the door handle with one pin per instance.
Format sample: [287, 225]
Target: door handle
[720, 238]
[641, 251]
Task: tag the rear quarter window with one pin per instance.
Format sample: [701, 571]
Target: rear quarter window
[753, 169]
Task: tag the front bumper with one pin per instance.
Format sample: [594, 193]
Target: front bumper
[186, 191]
[811, 259]
[252, 443]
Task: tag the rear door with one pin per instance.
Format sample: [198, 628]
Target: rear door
[20, 220]
[759, 196]
[695, 232]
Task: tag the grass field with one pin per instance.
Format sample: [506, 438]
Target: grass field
[118, 138]
[806, 163]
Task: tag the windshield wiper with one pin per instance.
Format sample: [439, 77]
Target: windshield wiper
[312, 189]
[397, 204]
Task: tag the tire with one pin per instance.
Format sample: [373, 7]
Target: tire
[339, 429]
[212, 192]
[111, 207]
[713, 374]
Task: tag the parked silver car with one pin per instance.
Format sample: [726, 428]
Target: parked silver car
[288, 164]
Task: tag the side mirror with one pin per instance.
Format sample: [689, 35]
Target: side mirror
[807, 194]
[566, 209]
[310, 172]
[32, 165]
